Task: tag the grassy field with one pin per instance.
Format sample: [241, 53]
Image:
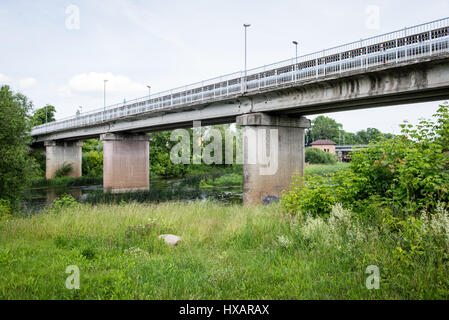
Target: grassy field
[227, 252]
[324, 169]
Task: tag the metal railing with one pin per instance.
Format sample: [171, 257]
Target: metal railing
[391, 48]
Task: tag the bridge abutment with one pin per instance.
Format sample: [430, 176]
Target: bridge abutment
[273, 151]
[126, 162]
[59, 153]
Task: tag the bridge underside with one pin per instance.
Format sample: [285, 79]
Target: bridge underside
[425, 79]
[422, 80]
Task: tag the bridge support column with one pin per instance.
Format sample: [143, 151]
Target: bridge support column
[126, 162]
[59, 153]
[273, 151]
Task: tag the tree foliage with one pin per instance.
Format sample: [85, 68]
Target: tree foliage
[317, 156]
[407, 174]
[92, 164]
[325, 128]
[43, 115]
[17, 168]
[160, 162]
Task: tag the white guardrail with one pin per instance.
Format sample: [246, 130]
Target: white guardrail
[394, 47]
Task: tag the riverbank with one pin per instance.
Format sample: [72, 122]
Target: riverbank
[228, 176]
[226, 252]
[205, 182]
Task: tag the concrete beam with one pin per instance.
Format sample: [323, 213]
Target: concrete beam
[126, 162]
[421, 80]
[59, 153]
[273, 151]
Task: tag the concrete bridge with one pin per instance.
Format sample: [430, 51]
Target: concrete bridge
[402, 67]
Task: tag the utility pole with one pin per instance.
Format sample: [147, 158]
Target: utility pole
[296, 46]
[246, 26]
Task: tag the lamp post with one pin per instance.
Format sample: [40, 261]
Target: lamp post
[296, 47]
[246, 26]
[149, 92]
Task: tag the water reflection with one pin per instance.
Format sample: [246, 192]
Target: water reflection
[161, 190]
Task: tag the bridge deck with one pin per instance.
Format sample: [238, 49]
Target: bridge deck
[395, 48]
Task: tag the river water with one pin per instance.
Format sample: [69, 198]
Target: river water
[161, 190]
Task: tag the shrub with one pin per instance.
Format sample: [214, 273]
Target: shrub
[408, 173]
[93, 163]
[65, 170]
[341, 228]
[411, 169]
[66, 201]
[317, 195]
[317, 156]
[227, 180]
[5, 209]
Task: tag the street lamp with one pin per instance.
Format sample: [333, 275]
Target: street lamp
[149, 92]
[296, 46]
[246, 26]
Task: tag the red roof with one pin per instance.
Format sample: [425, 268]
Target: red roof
[323, 143]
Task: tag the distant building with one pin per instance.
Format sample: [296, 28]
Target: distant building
[344, 152]
[325, 145]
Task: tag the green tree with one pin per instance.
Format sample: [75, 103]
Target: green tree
[325, 128]
[43, 115]
[160, 163]
[317, 156]
[92, 164]
[17, 167]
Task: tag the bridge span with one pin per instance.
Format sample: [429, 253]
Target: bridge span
[402, 67]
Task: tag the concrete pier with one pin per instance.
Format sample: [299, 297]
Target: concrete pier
[273, 151]
[59, 153]
[126, 162]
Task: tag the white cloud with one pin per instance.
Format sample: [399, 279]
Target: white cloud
[26, 83]
[4, 79]
[93, 82]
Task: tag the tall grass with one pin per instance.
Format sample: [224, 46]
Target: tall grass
[227, 252]
[324, 169]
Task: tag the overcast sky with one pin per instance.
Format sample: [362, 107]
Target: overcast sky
[53, 57]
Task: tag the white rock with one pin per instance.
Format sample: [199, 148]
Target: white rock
[170, 239]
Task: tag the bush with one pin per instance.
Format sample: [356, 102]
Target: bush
[409, 170]
[408, 173]
[227, 180]
[5, 209]
[66, 201]
[93, 163]
[65, 170]
[317, 156]
[316, 195]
